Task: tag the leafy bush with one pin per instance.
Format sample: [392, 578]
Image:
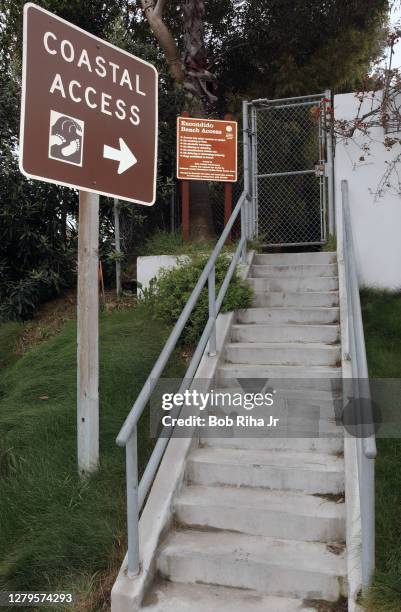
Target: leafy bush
[170, 291]
[22, 296]
[167, 243]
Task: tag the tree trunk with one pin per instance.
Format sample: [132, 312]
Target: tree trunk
[193, 76]
[198, 97]
[154, 14]
[201, 217]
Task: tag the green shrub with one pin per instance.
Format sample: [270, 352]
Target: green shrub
[167, 243]
[169, 293]
[21, 297]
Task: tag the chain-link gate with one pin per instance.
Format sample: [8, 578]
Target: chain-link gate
[291, 170]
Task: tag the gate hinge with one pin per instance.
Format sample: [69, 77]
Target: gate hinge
[320, 169]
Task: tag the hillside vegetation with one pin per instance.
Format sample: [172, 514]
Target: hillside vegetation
[57, 531]
[382, 323]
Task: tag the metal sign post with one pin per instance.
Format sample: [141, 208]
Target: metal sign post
[88, 121]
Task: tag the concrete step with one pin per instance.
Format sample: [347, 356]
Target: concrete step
[308, 472]
[278, 514]
[178, 597]
[282, 271]
[324, 392]
[289, 398]
[306, 299]
[281, 567]
[287, 437]
[329, 446]
[293, 421]
[328, 334]
[284, 353]
[307, 412]
[228, 373]
[277, 259]
[294, 284]
[305, 398]
[289, 316]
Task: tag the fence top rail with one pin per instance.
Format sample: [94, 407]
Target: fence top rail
[368, 442]
[270, 107]
[144, 396]
[275, 100]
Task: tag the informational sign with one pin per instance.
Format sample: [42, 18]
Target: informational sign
[206, 149]
[89, 111]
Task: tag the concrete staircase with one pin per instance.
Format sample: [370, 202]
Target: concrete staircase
[260, 522]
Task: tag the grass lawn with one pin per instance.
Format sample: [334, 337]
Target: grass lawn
[58, 532]
[382, 323]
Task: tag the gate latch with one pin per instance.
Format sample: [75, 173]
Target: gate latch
[320, 169]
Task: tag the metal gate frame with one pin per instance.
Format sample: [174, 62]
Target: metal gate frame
[323, 167]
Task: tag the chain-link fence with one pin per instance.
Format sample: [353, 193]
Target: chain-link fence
[216, 190]
[288, 172]
[289, 184]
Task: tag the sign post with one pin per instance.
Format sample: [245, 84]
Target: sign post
[117, 245]
[184, 201]
[87, 333]
[88, 121]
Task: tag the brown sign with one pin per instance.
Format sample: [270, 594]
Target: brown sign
[206, 149]
[89, 111]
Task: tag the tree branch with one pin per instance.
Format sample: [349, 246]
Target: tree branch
[159, 8]
[164, 37]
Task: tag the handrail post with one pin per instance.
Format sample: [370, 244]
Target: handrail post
[131, 452]
[254, 170]
[330, 166]
[212, 310]
[243, 229]
[247, 189]
[368, 521]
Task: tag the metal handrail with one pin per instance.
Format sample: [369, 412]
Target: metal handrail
[142, 399]
[366, 441]
[127, 436]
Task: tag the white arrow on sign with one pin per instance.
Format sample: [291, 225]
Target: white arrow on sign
[124, 155]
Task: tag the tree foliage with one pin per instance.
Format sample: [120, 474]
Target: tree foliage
[276, 48]
[377, 119]
[36, 244]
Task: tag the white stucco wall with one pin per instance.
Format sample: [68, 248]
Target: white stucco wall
[149, 267]
[376, 222]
